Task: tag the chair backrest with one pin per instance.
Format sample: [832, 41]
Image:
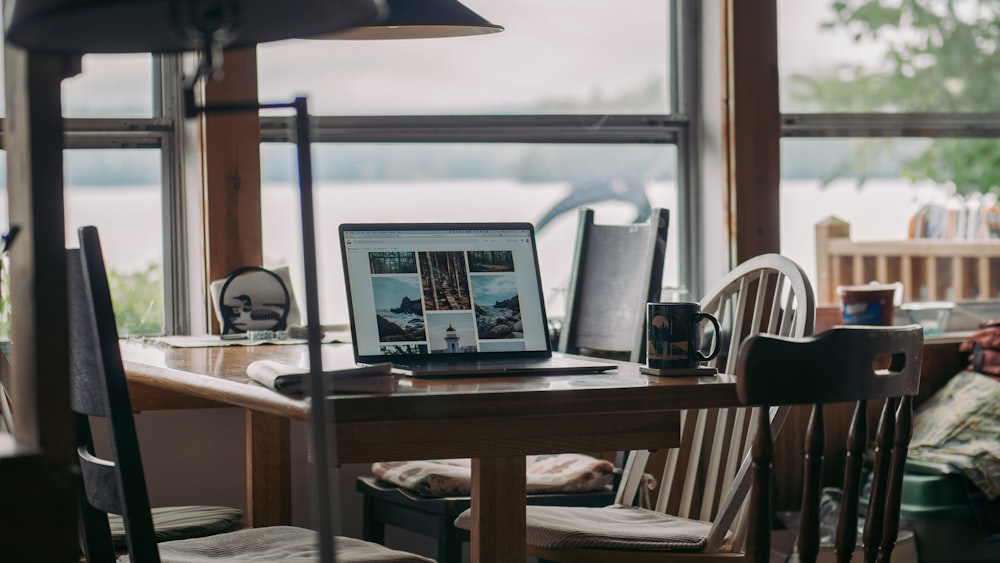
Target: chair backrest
[113, 485]
[707, 477]
[844, 364]
[617, 269]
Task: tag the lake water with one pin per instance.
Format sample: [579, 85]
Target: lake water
[130, 225]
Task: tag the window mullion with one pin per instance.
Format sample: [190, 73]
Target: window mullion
[954, 125]
[168, 105]
[605, 129]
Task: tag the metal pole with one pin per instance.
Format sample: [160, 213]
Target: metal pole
[323, 506]
[317, 393]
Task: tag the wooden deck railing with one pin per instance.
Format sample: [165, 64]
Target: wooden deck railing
[929, 269]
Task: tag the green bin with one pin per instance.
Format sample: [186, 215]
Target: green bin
[936, 504]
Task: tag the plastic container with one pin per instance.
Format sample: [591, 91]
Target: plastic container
[871, 304]
[936, 508]
[932, 315]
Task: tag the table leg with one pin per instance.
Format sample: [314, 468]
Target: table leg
[498, 513]
[269, 473]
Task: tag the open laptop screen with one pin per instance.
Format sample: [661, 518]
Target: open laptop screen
[461, 290]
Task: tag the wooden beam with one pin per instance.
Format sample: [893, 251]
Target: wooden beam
[753, 127]
[231, 172]
[37, 471]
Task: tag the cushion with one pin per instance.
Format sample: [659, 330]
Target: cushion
[549, 473]
[276, 543]
[610, 527]
[181, 522]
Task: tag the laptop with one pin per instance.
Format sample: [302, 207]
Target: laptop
[450, 300]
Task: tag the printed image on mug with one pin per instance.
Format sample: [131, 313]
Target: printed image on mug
[673, 335]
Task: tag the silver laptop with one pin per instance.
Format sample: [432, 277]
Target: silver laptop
[450, 300]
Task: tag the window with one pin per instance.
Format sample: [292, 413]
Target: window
[110, 85]
[576, 100]
[574, 103]
[119, 168]
[888, 111]
[540, 184]
[554, 57]
[119, 192]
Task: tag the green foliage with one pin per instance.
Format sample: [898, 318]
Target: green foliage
[138, 301]
[938, 56]
[136, 297]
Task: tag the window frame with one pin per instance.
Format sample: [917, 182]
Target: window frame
[672, 128]
[885, 125]
[159, 131]
[182, 192]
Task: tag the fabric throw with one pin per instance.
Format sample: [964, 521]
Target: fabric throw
[276, 544]
[958, 426]
[182, 522]
[551, 473]
[611, 527]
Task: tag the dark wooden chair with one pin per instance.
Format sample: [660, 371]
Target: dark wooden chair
[616, 270]
[115, 484]
[845, 364]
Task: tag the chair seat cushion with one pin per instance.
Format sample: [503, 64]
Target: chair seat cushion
[550, 473]
[610, 527]
[277, 543]
[182, 522]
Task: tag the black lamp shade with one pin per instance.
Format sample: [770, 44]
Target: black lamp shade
[421, 19]
[163, 26]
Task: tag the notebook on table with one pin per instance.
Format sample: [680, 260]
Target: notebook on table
[450, 300]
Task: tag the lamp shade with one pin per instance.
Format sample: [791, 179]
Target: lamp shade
[421, 19]
[163, 26]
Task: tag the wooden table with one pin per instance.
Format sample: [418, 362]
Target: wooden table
[494, 421]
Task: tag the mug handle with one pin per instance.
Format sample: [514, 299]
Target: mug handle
[718, 336]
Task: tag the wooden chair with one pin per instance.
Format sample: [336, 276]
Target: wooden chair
[116, 484]
[840, 365]
[617, 270]
[844, 364]
[706, 478]
[169, 522]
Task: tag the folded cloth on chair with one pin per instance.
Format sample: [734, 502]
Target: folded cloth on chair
[549, 473]
[610, 527]
[277, 543]
[182, 522]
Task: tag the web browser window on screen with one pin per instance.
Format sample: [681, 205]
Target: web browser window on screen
[444, 290]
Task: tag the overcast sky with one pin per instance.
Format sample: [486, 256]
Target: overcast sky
[550, 50]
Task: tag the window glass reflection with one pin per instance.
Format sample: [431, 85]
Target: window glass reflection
[543, 185]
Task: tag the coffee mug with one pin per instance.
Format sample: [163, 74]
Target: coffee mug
[673, 335]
